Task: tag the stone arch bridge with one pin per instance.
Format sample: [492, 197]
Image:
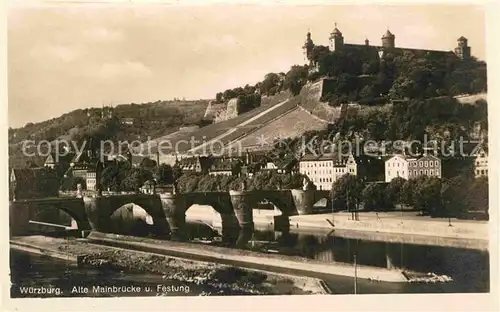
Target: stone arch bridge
[169, 210]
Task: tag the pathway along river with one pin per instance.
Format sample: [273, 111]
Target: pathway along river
[468, 268]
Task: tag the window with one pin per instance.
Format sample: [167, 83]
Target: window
[426, 171]
[436, 163]
[431, 172]
[414, 172]
[421, 171]
[420, 163]
[425, 163]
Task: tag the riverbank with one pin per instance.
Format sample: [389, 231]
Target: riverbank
[279, 264]
[249, 259]
[207, 278]
[399, 227]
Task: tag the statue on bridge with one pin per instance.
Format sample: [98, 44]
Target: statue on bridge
[99, 167]
[79, 190]
[306, 185]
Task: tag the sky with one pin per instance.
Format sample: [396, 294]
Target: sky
[65, 57]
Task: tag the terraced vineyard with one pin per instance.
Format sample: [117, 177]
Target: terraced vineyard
[232, 129]
[292, 124]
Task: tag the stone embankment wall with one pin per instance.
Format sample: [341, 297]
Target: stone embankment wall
[476, 230]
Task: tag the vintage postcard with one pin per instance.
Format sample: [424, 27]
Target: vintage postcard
[216, 149]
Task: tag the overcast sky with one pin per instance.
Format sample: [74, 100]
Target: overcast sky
[64, 58]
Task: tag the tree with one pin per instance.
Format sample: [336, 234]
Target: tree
[236, 168]
[165, 174]
[477, 195]
[394, 191]
[148, 164]
[347, 191]
[296, 78]
[427, 195]
[219, 97]
[453, 197]
[135, 179]
[269, 84]
[374, 197]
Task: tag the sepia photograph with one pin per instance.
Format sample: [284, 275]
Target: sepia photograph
[247, 149]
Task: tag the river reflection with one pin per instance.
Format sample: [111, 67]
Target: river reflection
[469, 268]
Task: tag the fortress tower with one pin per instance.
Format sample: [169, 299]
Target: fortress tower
[308, 47]
[336, 39]
[462, 50]
[388, 40]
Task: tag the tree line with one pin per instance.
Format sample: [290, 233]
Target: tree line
[430, 195]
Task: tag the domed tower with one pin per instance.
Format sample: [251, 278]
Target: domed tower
[462, 50]
[308, 47]
[388, 40]
[336, 39]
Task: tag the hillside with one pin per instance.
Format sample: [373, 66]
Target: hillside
[229, 130]
[144, 120]
[292, 124]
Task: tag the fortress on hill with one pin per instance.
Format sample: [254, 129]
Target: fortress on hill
[388, 44]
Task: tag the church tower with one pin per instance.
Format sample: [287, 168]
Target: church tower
[336, 39]
[308, 47]
[388, 40]
[462, 50]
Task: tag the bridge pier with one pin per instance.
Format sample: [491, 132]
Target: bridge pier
[241, 202]
[304, 201]
[174, 207]
[19, 217]
[98, 214]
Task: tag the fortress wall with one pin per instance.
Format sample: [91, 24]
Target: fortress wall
[310, 100]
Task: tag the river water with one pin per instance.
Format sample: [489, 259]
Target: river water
[468, 268]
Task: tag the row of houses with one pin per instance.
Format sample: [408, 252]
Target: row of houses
[326, 169]
[322, 170]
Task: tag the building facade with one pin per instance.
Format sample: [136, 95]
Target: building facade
[481, 164]
[410, 168]
[427, 165]
[324, 170]
[396, 167]
[91, 180]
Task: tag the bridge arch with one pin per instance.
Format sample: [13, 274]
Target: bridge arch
[21, 212]
[176, 206]
[58, 217]
[101, 209]
[132, 219]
